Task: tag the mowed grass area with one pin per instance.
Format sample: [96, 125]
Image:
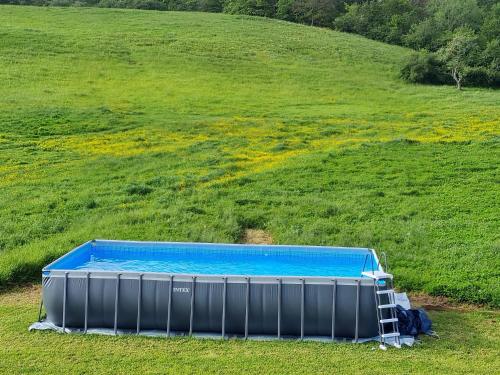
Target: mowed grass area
[468, 345]
[173, 126]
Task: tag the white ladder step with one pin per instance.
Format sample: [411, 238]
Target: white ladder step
[388, 306]
[387, 335]
[388, 320]
[387, 291]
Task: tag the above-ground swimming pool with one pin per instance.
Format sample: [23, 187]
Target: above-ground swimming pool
[222, 289]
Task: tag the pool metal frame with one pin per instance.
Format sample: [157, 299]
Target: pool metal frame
[280, 281]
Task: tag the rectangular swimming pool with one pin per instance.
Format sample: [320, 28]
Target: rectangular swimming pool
[223, 289]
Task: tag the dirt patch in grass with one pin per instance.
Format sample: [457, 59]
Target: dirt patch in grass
[439, 303]
[256, 236]
[21, 294]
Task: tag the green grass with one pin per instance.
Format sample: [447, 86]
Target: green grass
[192, 127]
[468, 345]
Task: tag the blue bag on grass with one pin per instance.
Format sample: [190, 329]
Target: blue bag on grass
[412, 322]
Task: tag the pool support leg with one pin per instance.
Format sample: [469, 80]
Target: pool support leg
[247, 303]
[191, 312]
[40, 310]
[169, 308]
[65, 290]
[87, 286]
[302, 300]
[117, 292]
[139, 303]
[356, 329]
[334, 298]
[279, 308]
[224, 292]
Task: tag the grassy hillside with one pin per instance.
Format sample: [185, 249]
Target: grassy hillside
[184, 126]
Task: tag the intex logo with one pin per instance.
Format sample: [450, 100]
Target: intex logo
[181, 290]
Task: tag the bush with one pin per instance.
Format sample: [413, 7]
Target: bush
[424, 67]
[149, 5]
[482, 76]
[62, 3]
[90, 204]
[138, 189]
[476, 76]
[214, 6]
[113, 4]
[182, 5]
[495, 79]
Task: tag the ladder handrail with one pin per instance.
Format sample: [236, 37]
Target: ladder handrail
[374, 266]
[386, 265]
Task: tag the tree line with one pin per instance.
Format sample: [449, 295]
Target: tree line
[455, 41]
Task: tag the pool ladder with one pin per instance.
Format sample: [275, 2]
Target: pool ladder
[385, 301]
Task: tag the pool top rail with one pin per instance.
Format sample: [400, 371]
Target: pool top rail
[214, 261]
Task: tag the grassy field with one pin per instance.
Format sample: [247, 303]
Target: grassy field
[468, 345]
[183, 126]
[195, 127]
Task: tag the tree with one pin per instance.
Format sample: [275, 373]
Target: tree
[491, 55]
[385, 20]
[454, 14]
[439, 20]
[263, 8]
[214, 6]
[490, 29]
[313, 12]
[320, 12]
[459, 53]
[284, 10]
[427, 35]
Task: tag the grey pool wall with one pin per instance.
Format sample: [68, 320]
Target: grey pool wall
[225, 305]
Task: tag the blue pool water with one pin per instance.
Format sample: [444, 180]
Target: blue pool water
[217, 259]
